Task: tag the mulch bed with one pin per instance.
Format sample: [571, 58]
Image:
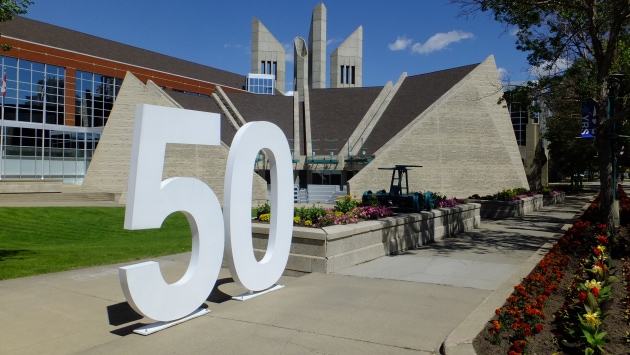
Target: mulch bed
[546, 296]
[546, 342]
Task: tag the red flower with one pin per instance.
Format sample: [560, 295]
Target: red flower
[596, 251]
[582, 296]
[601, 239]
[595, 291]
[538, 327]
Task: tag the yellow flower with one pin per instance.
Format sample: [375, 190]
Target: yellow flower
[598, 270]
[338, 214]
[592, 318]
[601, 248]
[308, 223]
[297, 219]
[593, 284]
[264, 217]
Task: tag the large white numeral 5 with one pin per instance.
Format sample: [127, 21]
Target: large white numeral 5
[248, 141]
[150, 200]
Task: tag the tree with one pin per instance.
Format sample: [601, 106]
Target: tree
[591, 38]
[8, 10]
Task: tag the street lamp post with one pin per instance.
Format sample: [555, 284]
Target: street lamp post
[610, 112]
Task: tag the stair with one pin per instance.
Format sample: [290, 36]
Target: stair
[324, 193]
[58, 197]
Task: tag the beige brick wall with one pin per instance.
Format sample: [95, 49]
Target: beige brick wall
[464, 141]
[109, 170]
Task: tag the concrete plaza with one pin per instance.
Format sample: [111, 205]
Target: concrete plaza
[439, 295]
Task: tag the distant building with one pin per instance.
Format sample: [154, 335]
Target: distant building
[261, 84]
[310, 62]
[70, 105]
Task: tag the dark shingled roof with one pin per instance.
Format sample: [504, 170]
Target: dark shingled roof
[336, 113]
[50, 35]
[415, 95]
[206, 104]
[277, 109]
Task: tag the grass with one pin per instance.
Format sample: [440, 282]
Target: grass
[51, 239]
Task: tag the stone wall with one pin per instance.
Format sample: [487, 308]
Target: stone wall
[109, 170]
[333, 248]
[464, 141]
[505, 209]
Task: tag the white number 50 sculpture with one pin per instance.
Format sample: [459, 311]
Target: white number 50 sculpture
[150, 200]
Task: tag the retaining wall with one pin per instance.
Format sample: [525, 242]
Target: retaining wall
[19, 186]
[504, 209]
[333, 248]
[552, 200]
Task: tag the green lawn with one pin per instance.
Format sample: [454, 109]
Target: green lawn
[50, 239]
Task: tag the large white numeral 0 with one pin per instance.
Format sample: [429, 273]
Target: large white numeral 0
[249, 140]
[150, 200]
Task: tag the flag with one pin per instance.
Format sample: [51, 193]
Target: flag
[589, 122]
[3, 89]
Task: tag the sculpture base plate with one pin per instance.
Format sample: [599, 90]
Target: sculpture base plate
[248, 295]
[157, 326]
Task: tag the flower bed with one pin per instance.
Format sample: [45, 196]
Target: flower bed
[347, 210]
[334, 247]
[516, 202]
[506, 195]
[571, 302]
[493, 209]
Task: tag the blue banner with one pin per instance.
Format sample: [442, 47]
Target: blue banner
[589, 122]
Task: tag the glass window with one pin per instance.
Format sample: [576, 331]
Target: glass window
[11, 62]
[94, 98]
[37, 66]
[24, 75]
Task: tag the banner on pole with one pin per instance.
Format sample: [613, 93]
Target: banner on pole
[589, 122]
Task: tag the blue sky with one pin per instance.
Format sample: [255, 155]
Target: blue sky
[398, 36]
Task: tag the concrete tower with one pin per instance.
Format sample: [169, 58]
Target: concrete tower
[300, 65]
[317, 48]
[346, 62]
[268, 56]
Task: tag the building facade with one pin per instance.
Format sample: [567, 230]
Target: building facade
[60, 88]
[80, 97]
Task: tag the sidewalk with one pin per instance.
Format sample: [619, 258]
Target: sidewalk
[415, 302]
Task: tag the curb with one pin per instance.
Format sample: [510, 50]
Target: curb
[459, 341]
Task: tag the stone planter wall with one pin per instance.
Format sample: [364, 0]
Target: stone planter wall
[552, 200]
[505, 209]
[335, 247]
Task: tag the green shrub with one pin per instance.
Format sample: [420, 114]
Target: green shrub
[346, 204]
[264, 209]
[309, 213]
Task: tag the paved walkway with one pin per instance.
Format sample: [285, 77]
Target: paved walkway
[414, 302]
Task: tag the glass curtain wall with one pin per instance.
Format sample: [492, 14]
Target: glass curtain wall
[94, 98]
[34, 141]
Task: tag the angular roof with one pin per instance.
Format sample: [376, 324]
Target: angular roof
[205, 104]
[277, 109]
[336, 113]
[59, 37]
[415, 95]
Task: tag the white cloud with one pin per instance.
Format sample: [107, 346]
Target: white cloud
[332, 41]
[288, 51]
[400, 44]
[440, 41]
[551, 69]
[515, 31]
[504, 74]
